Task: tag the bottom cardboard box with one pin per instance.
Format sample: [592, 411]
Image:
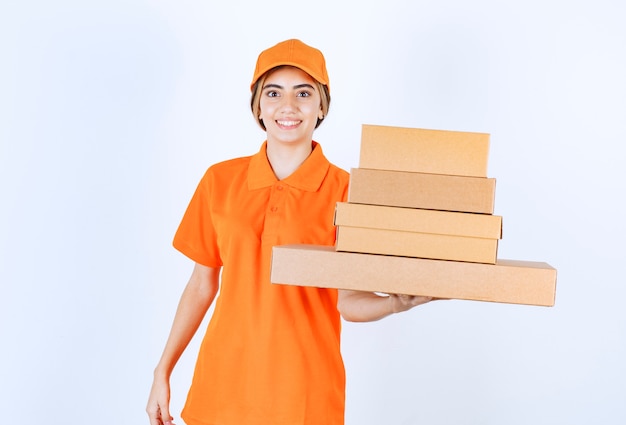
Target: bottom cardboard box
[507, 281]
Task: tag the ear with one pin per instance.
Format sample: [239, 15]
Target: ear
[320, 114]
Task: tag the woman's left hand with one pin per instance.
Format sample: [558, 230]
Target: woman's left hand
[401, 302]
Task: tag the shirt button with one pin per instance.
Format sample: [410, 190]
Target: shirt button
[274, 209]
[279, 188]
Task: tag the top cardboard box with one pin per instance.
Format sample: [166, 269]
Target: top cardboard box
[424, 151]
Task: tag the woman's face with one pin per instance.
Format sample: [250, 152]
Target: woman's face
[290, 105]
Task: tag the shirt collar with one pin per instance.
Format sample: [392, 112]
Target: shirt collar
[309, 176]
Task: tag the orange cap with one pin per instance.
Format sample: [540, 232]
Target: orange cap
[295, 53]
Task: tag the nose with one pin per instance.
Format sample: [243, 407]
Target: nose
[288, 104]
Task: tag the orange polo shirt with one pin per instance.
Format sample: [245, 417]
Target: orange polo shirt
[271, 353]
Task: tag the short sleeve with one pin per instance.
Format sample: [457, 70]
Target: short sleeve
[196, 237]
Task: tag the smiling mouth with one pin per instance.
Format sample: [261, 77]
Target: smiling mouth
[288, 123]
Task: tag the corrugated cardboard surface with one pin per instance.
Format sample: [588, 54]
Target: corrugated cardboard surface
[418, 220]
[421, 190]
[424, 151]
[508, 281]
[412, 244]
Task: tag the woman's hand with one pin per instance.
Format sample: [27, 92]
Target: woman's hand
[158, 407]
[363, 306]
[401, 303]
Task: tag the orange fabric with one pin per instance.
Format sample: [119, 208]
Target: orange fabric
[295, 53]
[271, 353]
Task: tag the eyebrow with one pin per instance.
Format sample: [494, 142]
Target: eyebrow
[297, 86]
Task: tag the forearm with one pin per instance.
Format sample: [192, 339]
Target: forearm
[192, 307]
[356, 306]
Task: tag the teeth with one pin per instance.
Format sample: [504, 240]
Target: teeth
[287, 123]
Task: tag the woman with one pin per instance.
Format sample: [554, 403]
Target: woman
[271, 352]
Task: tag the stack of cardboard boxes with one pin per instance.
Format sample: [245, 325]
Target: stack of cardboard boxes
[421, 193]
[419, 220]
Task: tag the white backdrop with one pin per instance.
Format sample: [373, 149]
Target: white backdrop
[110, 111]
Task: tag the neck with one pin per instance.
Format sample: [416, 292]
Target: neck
[287, 158]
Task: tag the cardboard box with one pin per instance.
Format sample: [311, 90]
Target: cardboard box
[507, 281]
[421, 190]
[424, 151]
[418, 220]
[412, 232]
[411, 244]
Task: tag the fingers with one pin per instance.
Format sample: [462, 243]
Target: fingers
[166, 418]
[159, 416]
[415, 300]
[154, 417]
[158, 403]
[154, 414]
[401, 302]
[157, 419]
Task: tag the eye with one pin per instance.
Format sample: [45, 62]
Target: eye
[271, 93]
[304, 93]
